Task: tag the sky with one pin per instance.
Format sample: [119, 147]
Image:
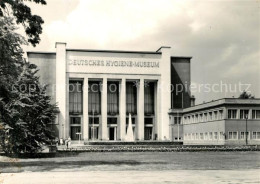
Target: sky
[222, 36]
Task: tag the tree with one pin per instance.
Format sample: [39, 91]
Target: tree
[246, 95]
[23, 15]
[25, 109]
[27, 114]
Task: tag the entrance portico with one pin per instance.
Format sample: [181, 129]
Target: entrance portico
[110, 86]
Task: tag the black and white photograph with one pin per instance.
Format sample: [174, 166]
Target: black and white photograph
[129, 91]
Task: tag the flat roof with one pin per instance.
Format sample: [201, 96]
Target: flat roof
[113, 51]
[219, 102]
[180, 57]
[34, 52]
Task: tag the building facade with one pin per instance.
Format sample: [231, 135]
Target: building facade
[97, 90]
[228, 121]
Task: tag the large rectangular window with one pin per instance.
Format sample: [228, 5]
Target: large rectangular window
[232, 113]
[244, 114]
[131, 98]
[94, 98]
[112, 98]
[75, 97]
[255, 114]
[149, 99]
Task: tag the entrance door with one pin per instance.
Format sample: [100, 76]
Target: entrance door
[75, 127]
[93, 133]
[112, 133]
[148, 133]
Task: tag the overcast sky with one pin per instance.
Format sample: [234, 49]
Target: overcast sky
[223, 37]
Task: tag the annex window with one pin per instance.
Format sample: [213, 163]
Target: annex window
[201, 136]
[244, 114]
[205, 117]
[210, 116]
[243, 135]
[75, 97]
[206, 136]
[177, 120]
[220, 114]
[210, 136]
[215, 115]
[221, 135]
[232, 113]
[255, 114]
[201, 117]
[232, 135]
[215, 135]
[254, 135]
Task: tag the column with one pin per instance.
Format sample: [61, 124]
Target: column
[165, 92]
[85, 109]
[103, 123]
[140, 110]
[122, 105]
[158, 111]
[250, 115]
[61, 92]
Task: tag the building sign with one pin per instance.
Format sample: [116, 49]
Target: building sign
[113, 63]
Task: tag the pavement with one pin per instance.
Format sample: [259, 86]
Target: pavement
[143, 177]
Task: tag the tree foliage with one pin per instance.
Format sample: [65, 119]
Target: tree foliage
[28, 114]
[246, 95]
[25, 109]
[23, 15]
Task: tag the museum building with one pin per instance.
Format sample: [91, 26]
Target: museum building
[97, 90]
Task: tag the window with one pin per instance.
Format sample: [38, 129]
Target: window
[75, 128]
[131, 98]
[210, 116]
[193, 117]
[215, 135]
[201, 117]
[201, 136]
[197, 136]
[94, 98]
[220, 114]
[232, 113]
[177, 120]
[206, 136]
[112, 98]
[75, 97]
[221, 135]
[254, 135]
[229, 135]
[196, 118]
[215, 115]
[232, 135]
[94, 120]
[149, 99]
[244, 114]
[210, 136]
[258, 135]
[111, 121]
[255, 114]
[242, 135]
[148, 121]
[205, 117]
